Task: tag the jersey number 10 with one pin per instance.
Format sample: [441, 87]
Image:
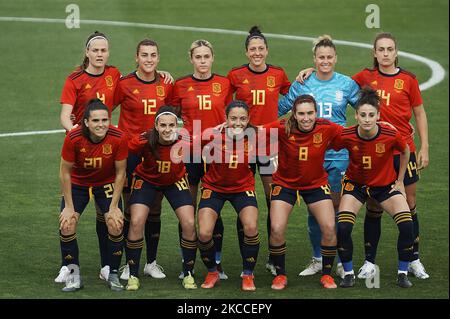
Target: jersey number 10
[259, 97]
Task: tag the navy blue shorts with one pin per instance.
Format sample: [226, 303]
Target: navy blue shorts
[411, 175]
[215, 200]
[291, 196]
[133, 161]
[177, 194]
[101, 194]
[362, 192]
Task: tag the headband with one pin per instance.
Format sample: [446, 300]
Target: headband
[254, 36]
[95, 38]
[166, 113]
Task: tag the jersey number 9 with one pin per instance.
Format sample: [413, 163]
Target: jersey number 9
[367, 162]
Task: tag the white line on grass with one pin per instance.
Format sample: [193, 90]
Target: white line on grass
[32, 133]
[437, 71]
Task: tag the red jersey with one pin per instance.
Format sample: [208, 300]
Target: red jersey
[229, 170]
[301, 154]
[399, 94]
[139, 101]
[162, 171]
[260, 90]
[203, 100]
[80, 87]
[371, 161]
[94, 163]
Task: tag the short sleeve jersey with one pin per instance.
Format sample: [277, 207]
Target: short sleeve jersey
[371, 161]
[301, 154]
[260, 90]
[139, 101]
[94, 163]
[228, 164]
[399, 94]
[166, 170]
[80, 87]
[202, 101]
[332, 97]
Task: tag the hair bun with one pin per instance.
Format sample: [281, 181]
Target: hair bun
[255, 30]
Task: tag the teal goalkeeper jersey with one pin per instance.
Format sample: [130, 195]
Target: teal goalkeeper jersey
[332, 98]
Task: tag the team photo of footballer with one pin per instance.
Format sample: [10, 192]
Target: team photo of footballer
[153, 153]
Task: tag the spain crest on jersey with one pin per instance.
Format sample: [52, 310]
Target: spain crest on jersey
[107, 149]
[217, 88]
[380, 148]
[398, 84]
[160, 91]
[317, 138]
[271, 81]
[109, 81]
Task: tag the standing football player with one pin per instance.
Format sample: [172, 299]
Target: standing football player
[201, 98]
[302, 142]
[401, 98]
[140, 95]
[93, 164]
[92, 79]
[259, 84]
[371, 173]
[333, 92]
